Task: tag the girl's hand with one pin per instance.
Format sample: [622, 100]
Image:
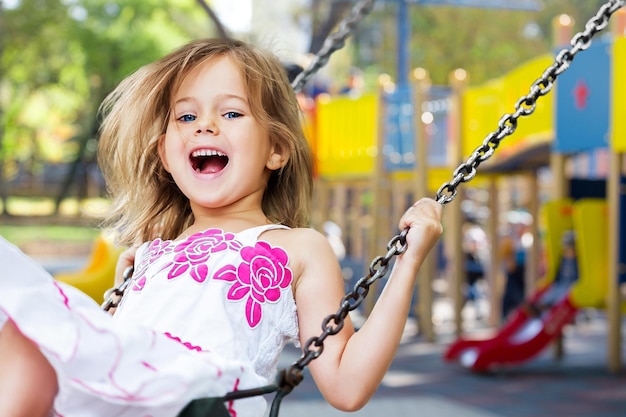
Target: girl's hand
[126, 259]
[424, 221]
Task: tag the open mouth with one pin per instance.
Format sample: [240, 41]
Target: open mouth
[208, 161]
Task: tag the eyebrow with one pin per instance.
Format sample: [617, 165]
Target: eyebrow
[220, 96]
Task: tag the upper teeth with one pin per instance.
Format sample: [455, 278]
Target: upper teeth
[207, 152]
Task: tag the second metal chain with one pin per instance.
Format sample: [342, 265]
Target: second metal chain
[463, 173]
[333, 42]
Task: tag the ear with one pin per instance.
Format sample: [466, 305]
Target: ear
[162, 154]
[278, 157]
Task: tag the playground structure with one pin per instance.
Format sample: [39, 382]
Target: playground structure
[376, 152]
[526, 332]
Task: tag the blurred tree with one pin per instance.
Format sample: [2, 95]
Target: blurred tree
[325, 15]
[64, 57]
[3, 190]
[219, 27]
[580, 10]
[485, 42]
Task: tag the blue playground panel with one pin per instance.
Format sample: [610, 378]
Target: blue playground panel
[583, 101]
[399, 149]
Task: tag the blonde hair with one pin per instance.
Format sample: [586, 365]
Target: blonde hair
[145, 197]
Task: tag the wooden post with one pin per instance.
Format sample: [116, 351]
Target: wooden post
[614, 192]
[532, 263]
[424, 308]
[454, 234]
[320, 210]
[379, 211]
[560, 186]
[562, 30]
[494, 277]
[562, 33]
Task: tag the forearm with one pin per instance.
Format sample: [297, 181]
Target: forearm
[370, 351]
[362, 358]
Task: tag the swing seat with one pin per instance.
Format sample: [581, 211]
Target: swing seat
[286, 380]
[205, 407]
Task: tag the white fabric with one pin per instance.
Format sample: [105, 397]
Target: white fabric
[3, 319]
[174, 338]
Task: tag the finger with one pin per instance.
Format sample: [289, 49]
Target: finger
[423, 209]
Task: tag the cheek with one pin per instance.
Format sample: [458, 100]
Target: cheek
[169, 148]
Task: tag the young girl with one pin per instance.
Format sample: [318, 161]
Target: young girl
[206, 161]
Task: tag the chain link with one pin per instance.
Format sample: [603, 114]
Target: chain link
[113, 296]
[314, 347]
[334, 42]
[526, 105]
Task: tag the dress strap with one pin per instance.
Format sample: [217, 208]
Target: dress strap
[255, 232]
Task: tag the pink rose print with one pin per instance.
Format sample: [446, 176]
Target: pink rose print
[154, 251]
[258, 279]
[194, 252]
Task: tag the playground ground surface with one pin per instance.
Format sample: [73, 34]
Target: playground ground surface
[420, 383]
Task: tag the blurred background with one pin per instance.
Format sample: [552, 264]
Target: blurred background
[59, 59]
[415, 89]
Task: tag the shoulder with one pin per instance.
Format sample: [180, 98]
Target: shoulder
[307, 248]
[297, 240]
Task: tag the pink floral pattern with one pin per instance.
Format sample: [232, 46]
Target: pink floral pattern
[192, 255]
[156, 249]
[260, 278]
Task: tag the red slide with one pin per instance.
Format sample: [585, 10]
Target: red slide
[522, 337]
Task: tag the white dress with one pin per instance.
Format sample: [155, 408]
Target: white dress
[203, 316]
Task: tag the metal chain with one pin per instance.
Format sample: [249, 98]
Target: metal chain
[333, 323]
[463, 173]
[526, 105]
[334, 42]
[113, 296]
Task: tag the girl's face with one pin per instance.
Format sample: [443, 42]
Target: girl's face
[218, 154]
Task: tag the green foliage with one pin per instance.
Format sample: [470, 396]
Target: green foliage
[20, 235]
[65, 56]
[487, 43]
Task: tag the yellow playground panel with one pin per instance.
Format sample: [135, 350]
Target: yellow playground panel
[346, 136]
[590, 217]
[497, 97]
[557, 218]
[618, 109]
[346, 143]
[589, 220]
[98, 273]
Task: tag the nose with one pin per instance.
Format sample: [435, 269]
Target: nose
[201, 130]
[205, 127]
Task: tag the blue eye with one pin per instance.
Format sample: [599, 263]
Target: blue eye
[232, 115]
[187, 118]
